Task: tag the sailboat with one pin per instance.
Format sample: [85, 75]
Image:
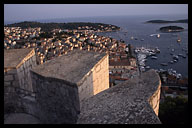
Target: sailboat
[179, 39]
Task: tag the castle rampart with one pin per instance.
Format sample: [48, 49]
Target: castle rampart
[135, 101]
[73, 88]
[17, 79]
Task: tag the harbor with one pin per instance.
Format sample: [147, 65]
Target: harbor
[142, 55]
[148, 36]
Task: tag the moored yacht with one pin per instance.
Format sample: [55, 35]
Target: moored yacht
[171, 62]
[153, 57]
[132, 37]
[175, 57]
[179, 39]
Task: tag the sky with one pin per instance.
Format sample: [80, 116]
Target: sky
[21, 12]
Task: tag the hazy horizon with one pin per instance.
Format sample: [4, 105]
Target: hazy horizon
[31, 12]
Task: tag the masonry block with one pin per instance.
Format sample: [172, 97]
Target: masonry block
[8, 78]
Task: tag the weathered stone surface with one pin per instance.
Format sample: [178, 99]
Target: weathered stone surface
[87, 70]
[71, 67]
[15, 83]
[7, 83]
[62, 84]
[17, 80]
[126, 103]
[57, 102]
[14, 57]
[8, 78]
[13, 71]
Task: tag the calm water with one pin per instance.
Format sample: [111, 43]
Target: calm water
[135, 26]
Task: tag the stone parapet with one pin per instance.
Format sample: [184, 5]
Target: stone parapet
[61, 84]
[133, 102]
[17, 64]
[55, 101]
[17, 79]
[89, 71]
[58, 90]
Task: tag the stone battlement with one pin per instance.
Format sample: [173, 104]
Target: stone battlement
[17, 79]
[136, 101]
[76, 63]
[73, 88]
[14, 58]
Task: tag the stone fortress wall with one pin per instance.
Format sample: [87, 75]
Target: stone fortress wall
[61, 88]
[54, 99]
[154, 100]
[95, 81]
[17, 79]
[60, 97]
[134, 101]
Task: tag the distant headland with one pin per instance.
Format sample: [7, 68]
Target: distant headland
[171, 29]
[166, 21]
[71, 26]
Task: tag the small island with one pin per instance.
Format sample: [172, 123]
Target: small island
[171, 29]
[166, 21]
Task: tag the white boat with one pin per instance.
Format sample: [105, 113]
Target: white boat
[153, 35]
[174, 71]
[181, 55]
[179, 39]
[142, 68]
[147, 67]
[153, 57]
[157, 50]
[152, 53]
[175, 57]
[175, 61]
[178, 75]
[132, 37]
[171, 62]
[158, 35]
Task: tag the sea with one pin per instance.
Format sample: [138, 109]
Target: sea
[135, 26]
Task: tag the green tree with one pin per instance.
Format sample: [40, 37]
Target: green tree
[174, 110]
